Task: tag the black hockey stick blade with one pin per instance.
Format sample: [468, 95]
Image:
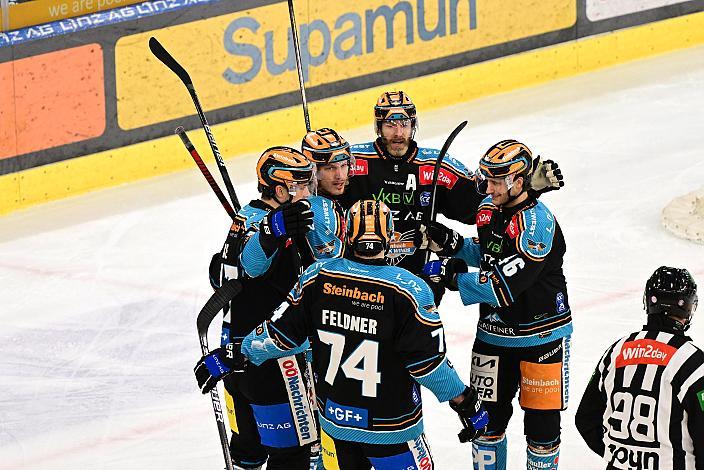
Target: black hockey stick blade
[168, 60]
[216, 303]
[438, 163]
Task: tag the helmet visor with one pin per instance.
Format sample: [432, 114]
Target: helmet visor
[482, 181]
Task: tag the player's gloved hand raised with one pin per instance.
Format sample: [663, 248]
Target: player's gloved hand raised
[445, 271]
[288, 221]
[472, 414]
[439, 239]
[217, 365]
[547, 176]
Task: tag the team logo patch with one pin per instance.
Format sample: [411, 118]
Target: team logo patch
[361, 167]
[645, 351]
[700, 396]
[326, 248]
[400, 246]
[445, 178]
[560, 305]
[425, 198]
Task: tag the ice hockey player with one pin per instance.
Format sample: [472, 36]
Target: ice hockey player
[524, 328]
[268, 243]
[376, 337]
[394, 170]
[333, 160]
[644, 405]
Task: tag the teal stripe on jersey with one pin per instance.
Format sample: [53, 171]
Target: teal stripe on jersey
[525, 341]
[371, 437]
[443, 381]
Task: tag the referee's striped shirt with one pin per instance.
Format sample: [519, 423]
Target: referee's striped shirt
[644, 406]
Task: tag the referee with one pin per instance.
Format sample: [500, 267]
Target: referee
[644, 405]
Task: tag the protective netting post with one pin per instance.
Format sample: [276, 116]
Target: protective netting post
[684, 216]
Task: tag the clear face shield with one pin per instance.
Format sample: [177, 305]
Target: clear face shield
[482, 182]
[302, 189]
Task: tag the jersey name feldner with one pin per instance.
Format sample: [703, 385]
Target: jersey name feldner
[349, 322]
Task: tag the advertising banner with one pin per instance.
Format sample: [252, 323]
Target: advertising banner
[248, 56]
[37, 12]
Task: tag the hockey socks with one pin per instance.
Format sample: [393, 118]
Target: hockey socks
[542, 457]
[489, 453]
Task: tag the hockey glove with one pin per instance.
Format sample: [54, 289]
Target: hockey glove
[288, 221]
[473, 416]
[217, 365]
[547, 176]
[439, 239]
[445, 271]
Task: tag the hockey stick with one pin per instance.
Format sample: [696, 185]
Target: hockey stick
[180, 131]
[297, 51]
[215, 303]
[436, 172]
[168, 60]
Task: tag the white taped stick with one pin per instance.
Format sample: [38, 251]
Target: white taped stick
[684, 216]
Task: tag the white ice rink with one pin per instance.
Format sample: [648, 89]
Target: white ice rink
[98, 294]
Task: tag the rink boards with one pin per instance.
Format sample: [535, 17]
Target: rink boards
[84, 105]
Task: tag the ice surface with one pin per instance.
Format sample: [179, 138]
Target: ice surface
[99, 293]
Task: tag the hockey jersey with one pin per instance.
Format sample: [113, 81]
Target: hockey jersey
[520, 285]
[405, 185]
[644, 406]
[266, 279]
[376, 335]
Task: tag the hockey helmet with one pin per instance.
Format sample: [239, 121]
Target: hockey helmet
[283, 166]
[394, 106]
[370, 227]
[671, 291]
[325, 146]
[507, 159]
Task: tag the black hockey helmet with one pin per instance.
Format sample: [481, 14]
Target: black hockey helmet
[395, 106]
[283, 166]
[370, 226]
[671, 292]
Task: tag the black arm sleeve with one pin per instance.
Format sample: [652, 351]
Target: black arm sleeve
[590, 415]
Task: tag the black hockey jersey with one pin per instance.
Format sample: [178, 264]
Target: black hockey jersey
[644, 406]
[376, 335]
[405, 185]
[520, 285]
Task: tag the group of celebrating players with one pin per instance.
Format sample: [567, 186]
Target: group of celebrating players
[337, 324]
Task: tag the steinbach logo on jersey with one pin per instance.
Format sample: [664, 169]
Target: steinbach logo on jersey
[645, 351]
[445, 178]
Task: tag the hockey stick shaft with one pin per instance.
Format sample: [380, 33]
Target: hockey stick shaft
[167, 59]
[212, 307]
[180, 131]
[299, 66]
[436, 174]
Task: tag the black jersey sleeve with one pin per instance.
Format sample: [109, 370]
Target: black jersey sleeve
[693, 404]
[458, 198]
[590, 415]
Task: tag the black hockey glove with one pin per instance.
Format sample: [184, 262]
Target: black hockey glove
[445, 271]
[217, 365]
[473, 416]
[546, 176]
[439, 239]
[288, 221]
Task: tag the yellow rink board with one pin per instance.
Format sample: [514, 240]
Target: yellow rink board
[246, 56]
[109, 168]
